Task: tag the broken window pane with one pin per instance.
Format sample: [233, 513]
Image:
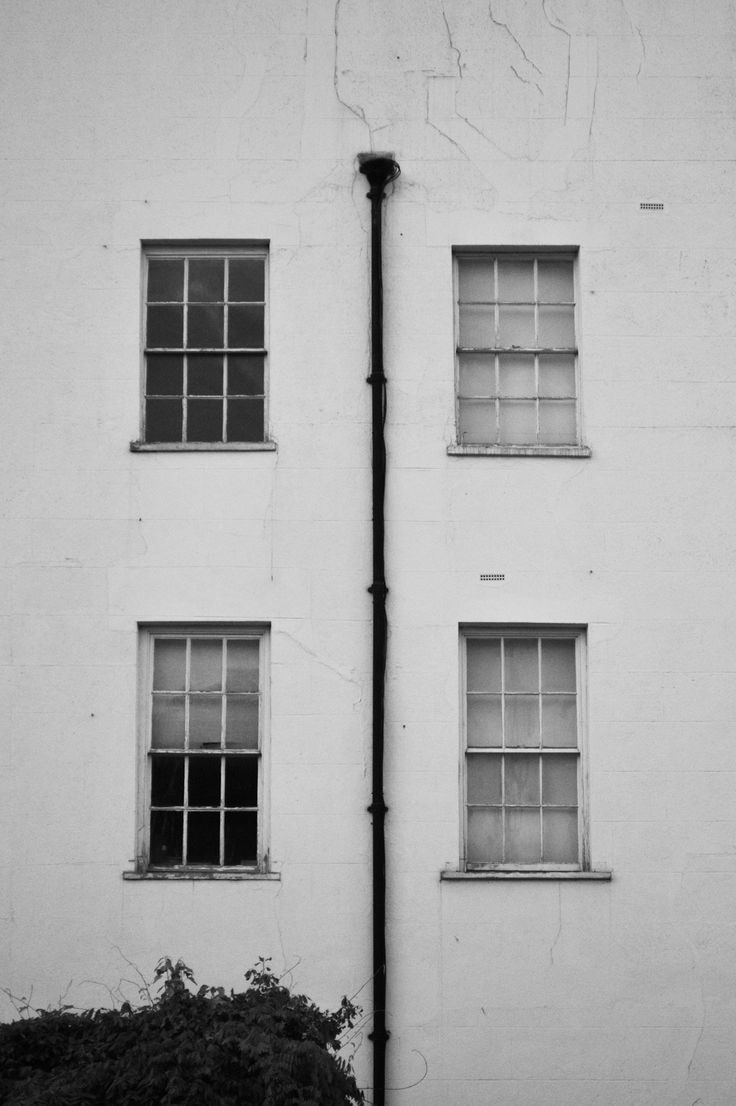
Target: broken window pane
[167, 781]
[241, 837]
[204, 781]
[203, 843]
[166, 837]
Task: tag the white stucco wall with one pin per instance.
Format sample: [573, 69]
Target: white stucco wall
[533, 123]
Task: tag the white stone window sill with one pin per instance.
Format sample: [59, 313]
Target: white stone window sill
[202, 874]
[456, 450]
[202, 447]
[542, 874]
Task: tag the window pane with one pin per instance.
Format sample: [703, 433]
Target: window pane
[241, 730]
[477, 374]
[556, 374]
[484, 779]
[475, 280]
[485, 836]
[559, 721]
[205, 327]
[165, 279]
[242, 665]
[557, 422]
[556, 326]
[555, 281]
[166, 837]
[169, 665]
[560, 780]
[521, 671]
[245, 326]
[204, 374]
[206, 665]
[205, 721]
[477, 422]
[164, 375]
[521, 780]
[522, 721]
[560, 836]
[515, 326]
[203, 844]
[245, 420]
[483, 665]
[163, 420]
[165, 327]
[246, 279]
[241, 781]
[523, 844]
[241, 838]
[206, 279]
[516, 374]
[204, 781]
[515, 281]
[477, 326]
[518, 422]
[167, 781]
[204, 420]
[167, 722]
[245, 375]
[484, 721]
[558, 665]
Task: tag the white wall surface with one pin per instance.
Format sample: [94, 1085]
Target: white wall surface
[541, 122]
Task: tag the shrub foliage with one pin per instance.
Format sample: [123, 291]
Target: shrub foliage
[185, 1047]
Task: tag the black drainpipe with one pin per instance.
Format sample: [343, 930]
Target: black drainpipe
[380, 169]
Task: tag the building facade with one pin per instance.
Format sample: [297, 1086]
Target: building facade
[186, 442]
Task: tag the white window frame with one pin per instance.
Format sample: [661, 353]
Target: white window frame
[578, 634]
[196, 250]
[491, 448]
[148, 634]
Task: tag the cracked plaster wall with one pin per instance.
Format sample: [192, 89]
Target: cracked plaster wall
[515, 123]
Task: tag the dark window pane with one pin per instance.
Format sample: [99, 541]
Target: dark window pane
[167, 721]
[242, 665]
[206, 279]
[203, 845]
[167, 781]
[166, 837]
[204, 375]
[165, 327]
[246, 279]
[205, 327]
[204, 420]
[245, 420]
[241, 838]
[169, 664]
[165, 279]
[204, 781]
[244, 375]
[241, 781]
[163, 420]
[245, 326]
[164, 375]
[206, 664]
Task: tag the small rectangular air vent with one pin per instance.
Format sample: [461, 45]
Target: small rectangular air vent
[492, 577]
[651, 207]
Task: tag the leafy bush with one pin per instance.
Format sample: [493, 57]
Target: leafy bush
[260, 1047]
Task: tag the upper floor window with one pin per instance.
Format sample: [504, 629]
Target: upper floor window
[204, 345]
[516, 372]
